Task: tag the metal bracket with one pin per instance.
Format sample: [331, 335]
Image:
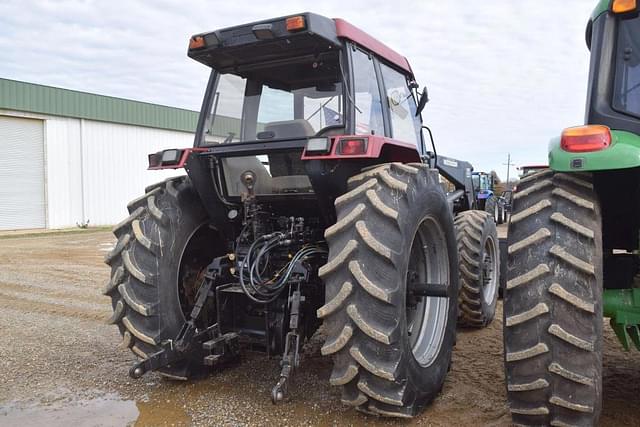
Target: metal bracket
[189, 337]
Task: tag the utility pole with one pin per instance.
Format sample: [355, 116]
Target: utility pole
[508, 165]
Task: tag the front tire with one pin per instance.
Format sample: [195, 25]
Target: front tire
[491, 207]
[391, 349]
[501, 214]
[162, 246]
[478, 251]
[553, 302]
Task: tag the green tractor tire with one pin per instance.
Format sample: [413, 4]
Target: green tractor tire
[553, 302]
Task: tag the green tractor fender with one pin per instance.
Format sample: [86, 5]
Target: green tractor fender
[623, 153]
[601, 7]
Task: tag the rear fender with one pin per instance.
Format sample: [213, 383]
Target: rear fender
[623, 153]
[378, 147]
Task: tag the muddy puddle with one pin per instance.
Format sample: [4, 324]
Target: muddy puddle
[101, 410]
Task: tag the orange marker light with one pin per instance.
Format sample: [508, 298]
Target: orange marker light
[296, 23]
[582, 139]
[196, 42]
[623, 6]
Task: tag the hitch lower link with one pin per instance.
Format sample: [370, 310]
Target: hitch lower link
[291, 356]
[208, 343]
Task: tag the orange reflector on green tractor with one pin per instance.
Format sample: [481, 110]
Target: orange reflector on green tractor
[581, 139]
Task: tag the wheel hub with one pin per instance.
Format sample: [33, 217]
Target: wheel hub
[489, 268]
[426, 316]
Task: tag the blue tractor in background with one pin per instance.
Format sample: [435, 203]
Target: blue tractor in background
[486, 199]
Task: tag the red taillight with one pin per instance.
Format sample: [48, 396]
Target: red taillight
[582, 139]
[352, 146]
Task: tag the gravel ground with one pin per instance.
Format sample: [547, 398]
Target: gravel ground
[62, 365]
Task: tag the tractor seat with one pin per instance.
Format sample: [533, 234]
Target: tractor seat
[289, 128]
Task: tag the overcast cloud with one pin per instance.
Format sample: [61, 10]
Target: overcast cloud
[503, 75]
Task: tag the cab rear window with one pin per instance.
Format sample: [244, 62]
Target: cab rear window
[626, 96]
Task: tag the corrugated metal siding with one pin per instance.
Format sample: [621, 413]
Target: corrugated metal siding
[114, 166]
[30, 97]
[64, 175]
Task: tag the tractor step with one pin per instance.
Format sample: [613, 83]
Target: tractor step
[215, 343]
[212, 360]
[222, 348]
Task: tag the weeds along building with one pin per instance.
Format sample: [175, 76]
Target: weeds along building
[72, 157]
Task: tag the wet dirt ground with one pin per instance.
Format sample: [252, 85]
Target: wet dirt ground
[60, 364]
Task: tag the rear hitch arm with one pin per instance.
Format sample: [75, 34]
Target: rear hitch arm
[189, 340]
[291, 356]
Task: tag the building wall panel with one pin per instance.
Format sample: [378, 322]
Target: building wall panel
[114, 165]
[63, 171]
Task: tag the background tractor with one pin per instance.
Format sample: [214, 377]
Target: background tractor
[486, 199]
[323, 205]
[573, 240]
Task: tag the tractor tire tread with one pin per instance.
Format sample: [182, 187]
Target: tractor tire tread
[362, 290]
[553, 322]
[471, 226]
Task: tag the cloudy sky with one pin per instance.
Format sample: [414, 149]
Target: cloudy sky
[503, 75]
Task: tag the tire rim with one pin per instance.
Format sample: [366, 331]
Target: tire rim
[489, 270]
[427, 316]
[495, 213]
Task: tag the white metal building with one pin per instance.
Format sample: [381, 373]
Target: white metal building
[71, 157]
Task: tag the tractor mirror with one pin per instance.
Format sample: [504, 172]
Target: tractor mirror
[424, 98]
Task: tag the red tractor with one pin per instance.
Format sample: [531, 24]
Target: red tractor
[319, 204]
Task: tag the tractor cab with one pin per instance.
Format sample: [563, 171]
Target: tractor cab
[614, 76]
[295, 106]
[297, 99]
[610, 137]
[482, 182]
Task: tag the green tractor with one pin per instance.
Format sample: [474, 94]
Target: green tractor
[573, 240]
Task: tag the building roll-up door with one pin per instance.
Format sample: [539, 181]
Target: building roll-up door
[22, 186]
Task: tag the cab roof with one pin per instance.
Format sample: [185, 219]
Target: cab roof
[229, 48]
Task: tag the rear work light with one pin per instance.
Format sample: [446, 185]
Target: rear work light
[263, 31]
[623, 6]
[352, 146]
[174, 158]
[296, 23]
[582, 139]
[318, 146]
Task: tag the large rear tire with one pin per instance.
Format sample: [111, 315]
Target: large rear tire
[553, 302]
[478, 252]
[162, 246]
[392, 349]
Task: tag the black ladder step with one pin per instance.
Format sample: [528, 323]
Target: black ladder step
[213, 343]
[212, 360]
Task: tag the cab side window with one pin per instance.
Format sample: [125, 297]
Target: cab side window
[369, 118]
[405, 126]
